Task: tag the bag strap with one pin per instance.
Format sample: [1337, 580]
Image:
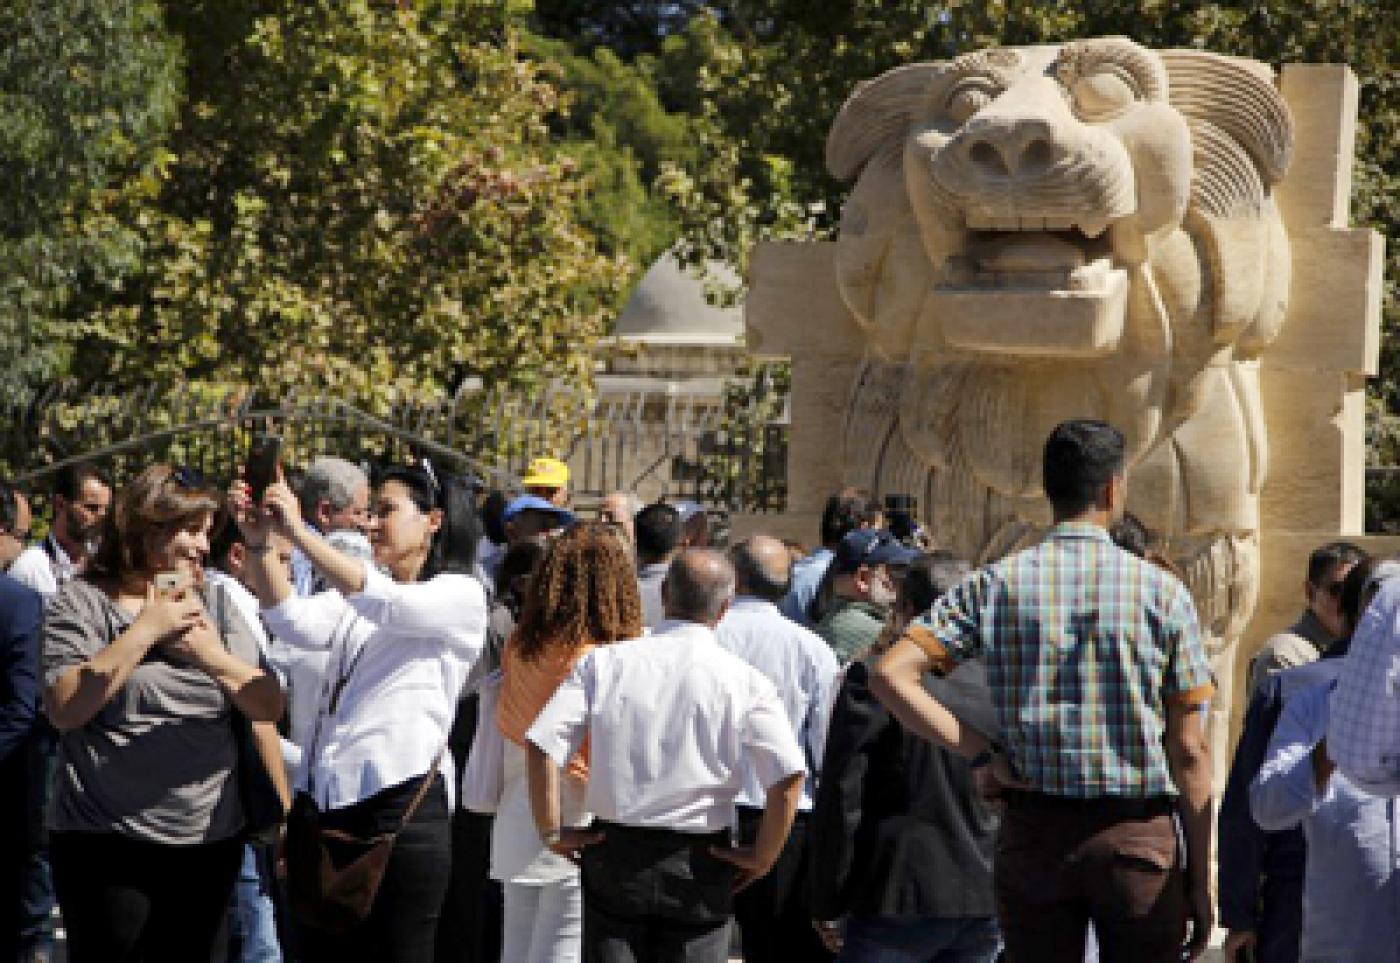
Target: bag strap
[422, 792]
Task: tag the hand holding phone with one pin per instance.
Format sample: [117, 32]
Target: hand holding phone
[261, 469]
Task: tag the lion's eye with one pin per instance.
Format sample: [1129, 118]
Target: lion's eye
[1102, 95]
[967, 98]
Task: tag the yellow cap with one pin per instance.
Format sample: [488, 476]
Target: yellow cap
[546, 473]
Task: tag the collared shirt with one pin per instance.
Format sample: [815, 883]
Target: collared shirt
[406, 650]
[800, 666]
[1302, 643]
[1085, 645]
[649, 579]
[851, 627]
[807, 574]
[1351, 891]
[44, 567]
[673, 721]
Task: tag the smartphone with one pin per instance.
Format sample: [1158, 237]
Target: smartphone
[261, 467]
[170, 583]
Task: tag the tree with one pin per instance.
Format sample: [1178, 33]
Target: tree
[88, 90]
[361, 196]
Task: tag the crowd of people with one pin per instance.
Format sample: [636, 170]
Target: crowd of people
[387, 716]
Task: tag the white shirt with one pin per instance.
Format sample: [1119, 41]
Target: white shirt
[301, 671]
[407, 649]
[801, 667]
[43, 567]
[670, 718]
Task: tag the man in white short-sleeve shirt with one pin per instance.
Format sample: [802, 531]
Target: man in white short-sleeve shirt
[673, 723]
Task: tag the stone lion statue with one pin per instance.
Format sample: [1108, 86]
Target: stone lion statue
[1082, 230]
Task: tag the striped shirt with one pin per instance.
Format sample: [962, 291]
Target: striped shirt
[1085, 645]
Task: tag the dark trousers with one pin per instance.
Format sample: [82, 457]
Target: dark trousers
[774, 914]
[469, 930]
[655, 896]
[1280, 919]
[1061, 863]
[14, 850]
[402, 925]
[125, 899]
[37, 903]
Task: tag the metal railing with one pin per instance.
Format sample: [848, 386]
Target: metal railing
[716, 451]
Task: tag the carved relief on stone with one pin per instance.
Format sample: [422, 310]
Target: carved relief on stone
[1085, 230]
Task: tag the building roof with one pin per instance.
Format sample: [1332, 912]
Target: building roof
[668, 306]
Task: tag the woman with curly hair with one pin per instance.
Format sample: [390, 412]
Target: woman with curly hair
[583, 595]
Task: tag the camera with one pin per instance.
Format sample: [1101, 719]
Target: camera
[900, 510]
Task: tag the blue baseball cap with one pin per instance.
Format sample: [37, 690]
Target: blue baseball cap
[534, 503]
[870, 546]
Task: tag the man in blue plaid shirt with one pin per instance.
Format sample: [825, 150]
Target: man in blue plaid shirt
[1100, 681]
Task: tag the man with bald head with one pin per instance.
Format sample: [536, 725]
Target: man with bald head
[773, 914]
[676, 727]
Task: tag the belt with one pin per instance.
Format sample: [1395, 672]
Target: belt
[659, 835]
[1126, 807]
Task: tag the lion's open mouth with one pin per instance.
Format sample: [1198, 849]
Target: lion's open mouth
[1035, 256]
[1033, 286]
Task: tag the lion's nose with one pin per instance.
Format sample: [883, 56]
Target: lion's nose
[1008, 148]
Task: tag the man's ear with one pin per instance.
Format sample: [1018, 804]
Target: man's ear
[1112, 495]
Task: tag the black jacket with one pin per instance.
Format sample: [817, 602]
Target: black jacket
[898, 828]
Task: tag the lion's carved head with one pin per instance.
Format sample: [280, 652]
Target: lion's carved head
[1095, 215]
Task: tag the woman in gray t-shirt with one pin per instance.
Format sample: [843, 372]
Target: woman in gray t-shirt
[146, 821]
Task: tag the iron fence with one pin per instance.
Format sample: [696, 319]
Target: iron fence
[720, 452]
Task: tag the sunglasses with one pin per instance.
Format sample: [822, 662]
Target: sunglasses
[186, 477]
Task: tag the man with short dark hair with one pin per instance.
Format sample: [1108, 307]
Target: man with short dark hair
[1321, 622]
[773, 914]
[673, 722]
[864, 574]
[15, 522]
[81, 497]
[845, 512]
[1100, 681]
[658, 532]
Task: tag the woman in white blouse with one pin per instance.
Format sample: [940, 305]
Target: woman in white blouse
[400, 646]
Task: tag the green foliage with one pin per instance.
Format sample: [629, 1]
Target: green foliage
[88, 90]
[612, 121]
[362, 197]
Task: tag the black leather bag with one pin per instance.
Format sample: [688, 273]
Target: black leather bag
[332, 876]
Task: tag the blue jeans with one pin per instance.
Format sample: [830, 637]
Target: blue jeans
[883, 939]
[254, 923]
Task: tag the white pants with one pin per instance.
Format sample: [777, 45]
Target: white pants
[543, 924]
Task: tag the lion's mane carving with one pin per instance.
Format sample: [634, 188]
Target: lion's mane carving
[1084, 230]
